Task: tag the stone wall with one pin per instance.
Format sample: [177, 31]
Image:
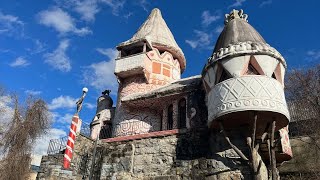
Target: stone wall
[51, 167]
[195, 154]
[174, 154]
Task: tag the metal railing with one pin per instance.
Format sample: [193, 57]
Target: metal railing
[105, 132]
[85, 129]
[57, 146]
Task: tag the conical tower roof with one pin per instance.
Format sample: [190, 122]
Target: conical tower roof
[237, 30]
[238, 38]
[156, 32]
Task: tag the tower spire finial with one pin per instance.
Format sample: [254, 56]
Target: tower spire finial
[234, 14]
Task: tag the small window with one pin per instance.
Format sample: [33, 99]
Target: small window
[170, 117]
[131, 51]
[251, 70]
[182, 113]
[161, 51]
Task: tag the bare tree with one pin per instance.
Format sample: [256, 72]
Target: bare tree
[303, 95]
[29, 122]
[2, 110]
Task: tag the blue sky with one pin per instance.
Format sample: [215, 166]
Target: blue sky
[52, 49]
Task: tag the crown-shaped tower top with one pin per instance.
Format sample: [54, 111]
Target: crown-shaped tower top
[235, 14]
[156, 32]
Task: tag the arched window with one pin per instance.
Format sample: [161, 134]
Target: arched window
[182, 113]
[170, 117]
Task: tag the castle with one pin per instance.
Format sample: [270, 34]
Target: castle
[230, 122]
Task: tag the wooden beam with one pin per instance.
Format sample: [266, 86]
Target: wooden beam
[237, 150]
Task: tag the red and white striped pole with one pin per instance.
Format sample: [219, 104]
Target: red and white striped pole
[74, 128]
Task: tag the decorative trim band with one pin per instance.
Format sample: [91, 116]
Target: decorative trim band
[246, 93]
[246, 48]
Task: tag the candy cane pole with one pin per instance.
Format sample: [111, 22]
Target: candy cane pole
[74, 128]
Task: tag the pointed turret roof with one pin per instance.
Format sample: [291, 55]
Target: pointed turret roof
[237, 30]
[156, 32]
[238, 37]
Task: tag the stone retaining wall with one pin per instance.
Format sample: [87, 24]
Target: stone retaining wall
[173, 154]
[51, 167]
[181, 155]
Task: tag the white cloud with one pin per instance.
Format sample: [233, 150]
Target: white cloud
[115, 5]
[61, 21]
[19, 62]
[38, 47]
[62, 102]
[111, 53]
[87, 9]
[58, 59]
[61, 119]
[207, 18]
[10, 19]
[128, 15]
[6, 110]
[192, 43]
[89, 105]
[264, 3]
[144, 4]
[218, 29]
[313, 54]
[41, 144]
[101, 75]
[11, 25]
[202, 40]
[32, 92]
[238, 3]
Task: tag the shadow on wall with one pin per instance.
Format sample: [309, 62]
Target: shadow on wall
[203, 152]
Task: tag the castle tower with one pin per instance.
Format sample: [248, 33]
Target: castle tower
[244, 81]
[244, 74]
[101, 124]
[149, 60]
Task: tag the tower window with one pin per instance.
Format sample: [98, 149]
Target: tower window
[170, 117]
[251, 70]
[162, 51]
[135, 49]
[182, 113]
